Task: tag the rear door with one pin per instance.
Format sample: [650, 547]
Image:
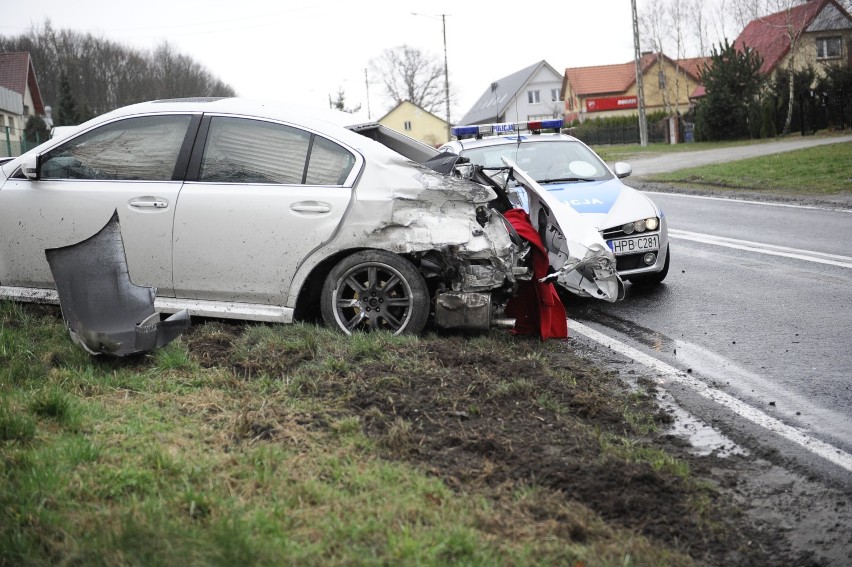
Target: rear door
[260, 197]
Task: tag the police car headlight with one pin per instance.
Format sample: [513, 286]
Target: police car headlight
[628, 228]
[652, 223]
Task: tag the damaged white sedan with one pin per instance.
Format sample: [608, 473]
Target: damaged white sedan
[265, 211]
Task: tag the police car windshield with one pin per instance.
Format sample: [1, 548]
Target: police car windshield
[544, 161]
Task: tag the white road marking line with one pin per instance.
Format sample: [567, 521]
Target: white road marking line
[673, 375]
[771, 249]
[747, 202]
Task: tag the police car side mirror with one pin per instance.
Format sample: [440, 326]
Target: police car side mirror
[622, 169]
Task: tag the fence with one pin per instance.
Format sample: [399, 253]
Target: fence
[14, 148]
[611, 134]
[820, 111]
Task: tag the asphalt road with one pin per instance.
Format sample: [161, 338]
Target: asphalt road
[757, 304]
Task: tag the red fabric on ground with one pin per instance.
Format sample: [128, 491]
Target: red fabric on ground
[536, 308]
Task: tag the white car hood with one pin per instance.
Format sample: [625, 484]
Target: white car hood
[584, 264]
[604, 204]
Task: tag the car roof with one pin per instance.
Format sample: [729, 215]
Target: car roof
[354, 129]
[288, 112]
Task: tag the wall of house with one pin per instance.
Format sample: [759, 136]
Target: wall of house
[416, 123]
[666, 88]
[806, 51]
[549, 103]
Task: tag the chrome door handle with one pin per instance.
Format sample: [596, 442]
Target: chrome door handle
[311, 207]
[149, 203]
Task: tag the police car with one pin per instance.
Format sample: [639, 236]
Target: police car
[632, 225]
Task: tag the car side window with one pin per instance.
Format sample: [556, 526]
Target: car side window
[240, 150]
[143, 148]
[329, 164]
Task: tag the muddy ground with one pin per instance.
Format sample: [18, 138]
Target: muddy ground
[490, 422]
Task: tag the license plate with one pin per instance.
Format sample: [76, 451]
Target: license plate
[635, 244]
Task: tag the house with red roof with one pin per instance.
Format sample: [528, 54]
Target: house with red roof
[20, 98]
[817, 33]
[610, 90]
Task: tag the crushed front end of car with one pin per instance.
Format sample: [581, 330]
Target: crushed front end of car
[580, 260]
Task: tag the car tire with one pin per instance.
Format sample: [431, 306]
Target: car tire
[375, 290]
[656, 277]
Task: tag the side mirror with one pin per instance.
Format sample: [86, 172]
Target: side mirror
[30, 167]
[622, 169]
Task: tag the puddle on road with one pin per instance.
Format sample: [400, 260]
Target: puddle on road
[704, 438]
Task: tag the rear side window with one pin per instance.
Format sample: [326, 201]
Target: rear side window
[143, 148]
[240, 150]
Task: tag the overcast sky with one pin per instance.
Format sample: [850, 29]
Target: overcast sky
[304, 51]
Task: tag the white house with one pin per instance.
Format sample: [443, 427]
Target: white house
[533, 93]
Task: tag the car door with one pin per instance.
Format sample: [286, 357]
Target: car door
[130, 165]
[260, 197]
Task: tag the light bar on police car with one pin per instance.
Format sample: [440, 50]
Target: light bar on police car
[506, 127]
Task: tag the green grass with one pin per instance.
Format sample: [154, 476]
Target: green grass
[225, 448]
[626, 152]
[822, 170]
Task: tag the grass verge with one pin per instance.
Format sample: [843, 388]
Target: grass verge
[258, 444]
[822, 170]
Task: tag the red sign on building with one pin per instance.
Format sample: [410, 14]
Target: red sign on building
[611, 103]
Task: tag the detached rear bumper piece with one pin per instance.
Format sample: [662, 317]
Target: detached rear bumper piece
[104, 311]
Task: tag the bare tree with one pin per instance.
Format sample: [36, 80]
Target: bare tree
[698, 11]
[406, 73]
[664, 23]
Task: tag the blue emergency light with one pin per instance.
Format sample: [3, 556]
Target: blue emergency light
[478, 130]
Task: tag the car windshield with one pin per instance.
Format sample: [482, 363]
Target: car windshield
[564, 160]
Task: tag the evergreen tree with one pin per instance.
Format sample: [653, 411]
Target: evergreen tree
[340, 103]
[66, 114]
[733, 83]
[35, 131]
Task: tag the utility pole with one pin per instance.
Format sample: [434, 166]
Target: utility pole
[446, 75]
[640, 89]
[446, 68]
[367, 86]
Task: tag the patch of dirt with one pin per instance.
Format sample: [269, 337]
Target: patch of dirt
[485, 421]
[552, 416]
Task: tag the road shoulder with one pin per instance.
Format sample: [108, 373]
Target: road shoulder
[840, 201]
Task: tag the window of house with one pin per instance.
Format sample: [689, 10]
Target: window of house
[407, 125]
[828, 47]
[533, 97]
[240, 150]
[143, 148]
[26, 110]
[555, 95]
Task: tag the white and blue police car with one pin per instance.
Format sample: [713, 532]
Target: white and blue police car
[632, 225]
